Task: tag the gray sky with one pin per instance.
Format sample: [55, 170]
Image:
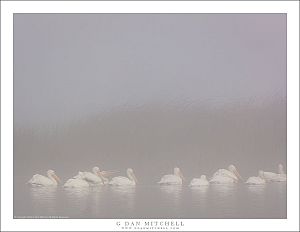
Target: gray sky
[149, 91]
[71, 66]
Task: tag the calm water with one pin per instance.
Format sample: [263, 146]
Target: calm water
[152, 201]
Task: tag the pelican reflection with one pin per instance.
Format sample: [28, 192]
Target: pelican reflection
[223, 190]
[200, 189]
[199, 195]
[77, 199]
[125, 195]
[256, 189]
[98, 199]
[172, 193]
[44, 199]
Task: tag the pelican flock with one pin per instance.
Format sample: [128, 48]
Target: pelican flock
[100, 178]
[92, 178]
[86, 179]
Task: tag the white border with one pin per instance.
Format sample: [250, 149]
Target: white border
[7, 10]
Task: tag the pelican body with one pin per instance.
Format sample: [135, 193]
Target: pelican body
[276, 177]
[39, 180]
[93, 178]
[85, 179]
[125, 181]
[256, 180]
[77, 182]
[202, 181]
[176, 178]
[224, 176]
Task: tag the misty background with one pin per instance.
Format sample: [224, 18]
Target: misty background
[149, 91]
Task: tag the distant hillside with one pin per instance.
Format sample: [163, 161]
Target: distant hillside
[152, 139]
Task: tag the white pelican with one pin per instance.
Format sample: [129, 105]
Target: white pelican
[106, 175]
[77, 182]
[202, 181]
[96, 177]
[224, 176]
[256, 180]
[176, 178]
[271, 176]
[123, 181]
[39, 180]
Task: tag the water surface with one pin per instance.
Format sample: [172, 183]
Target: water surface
[153, 201]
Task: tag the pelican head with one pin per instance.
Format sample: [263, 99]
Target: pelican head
[131, 175]
[203, 177]
[280, 169]
[177, 172]
[261, 174]
[51, 174]
[233, 169]
[96, 171]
